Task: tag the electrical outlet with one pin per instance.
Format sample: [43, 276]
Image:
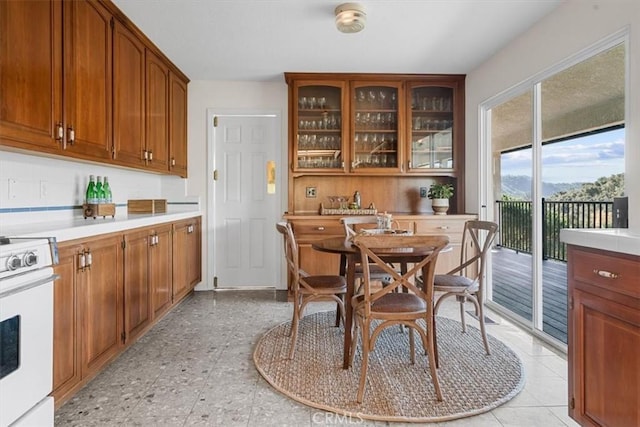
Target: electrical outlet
[311, 192]
[423, 192]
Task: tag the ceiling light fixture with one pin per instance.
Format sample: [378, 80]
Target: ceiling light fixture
[350, 17]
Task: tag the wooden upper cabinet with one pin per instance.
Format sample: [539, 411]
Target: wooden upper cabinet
[157, 112]
[30, 74]
[87, 80]
[128, 98]
[178, 125]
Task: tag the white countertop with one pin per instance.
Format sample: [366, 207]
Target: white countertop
[76, 228]
[621, 240]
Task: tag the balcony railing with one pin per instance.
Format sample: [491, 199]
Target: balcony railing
[515, 223]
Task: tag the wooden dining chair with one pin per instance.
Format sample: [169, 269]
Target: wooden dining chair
[466, 281]
[350, 224]
[307, 288]
[388, 308]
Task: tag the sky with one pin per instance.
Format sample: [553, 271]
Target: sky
[580, 160]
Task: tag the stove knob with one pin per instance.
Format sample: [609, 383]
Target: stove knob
[13, 263]
[30, 259]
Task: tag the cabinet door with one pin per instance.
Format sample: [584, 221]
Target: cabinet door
[160, 267]
[100, 303]
[66, 369]
[178, 125]
[157, 116]
[128, 98]
[87, 79]
[180, 260]
[137, 296]
[30, 74]
[431, 128]
[376, 127]
[604, 343]
[317, 124]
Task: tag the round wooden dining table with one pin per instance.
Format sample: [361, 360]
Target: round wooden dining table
[349, 255]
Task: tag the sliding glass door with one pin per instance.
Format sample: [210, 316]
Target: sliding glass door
[556, 147]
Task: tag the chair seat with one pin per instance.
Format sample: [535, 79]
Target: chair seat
[328, 284]
[454, 283]
[396, 302]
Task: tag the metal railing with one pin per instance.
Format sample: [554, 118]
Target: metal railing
[514, 218]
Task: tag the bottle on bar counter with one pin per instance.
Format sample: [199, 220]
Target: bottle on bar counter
[108, 196]
[91, 195]
[100, 191]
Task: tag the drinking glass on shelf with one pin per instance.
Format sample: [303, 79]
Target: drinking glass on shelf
[322, 101]
[302, 102]
[372, 98]
[361, 98]
[312, 102]
[382, 95]
[394, 100]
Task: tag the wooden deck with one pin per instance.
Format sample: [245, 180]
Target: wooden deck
[512, 288]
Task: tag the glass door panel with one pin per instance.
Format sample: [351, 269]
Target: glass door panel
[512, 266]
[375, 127]
[431, 128]
[319, 128]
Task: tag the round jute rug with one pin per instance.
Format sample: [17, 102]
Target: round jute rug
[396, 390]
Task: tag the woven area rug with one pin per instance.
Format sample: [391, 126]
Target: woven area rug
[471, 381]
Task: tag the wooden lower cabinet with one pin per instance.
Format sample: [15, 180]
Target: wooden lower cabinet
[604, 337]
[137, 293]
[112, 288]
[311, 228]
[160, 269]
[187, 268]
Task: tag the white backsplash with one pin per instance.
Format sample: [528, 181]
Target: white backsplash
[56, 185]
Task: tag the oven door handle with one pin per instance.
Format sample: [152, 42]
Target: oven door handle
[28, 286]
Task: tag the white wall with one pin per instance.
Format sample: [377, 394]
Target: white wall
[40, 182]
[225, 96]
[571, 28]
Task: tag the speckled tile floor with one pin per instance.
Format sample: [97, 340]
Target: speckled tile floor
[195, 367]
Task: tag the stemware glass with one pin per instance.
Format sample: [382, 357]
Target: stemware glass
[382, 95]
[361, 98]
[394, 100]
[322, 101]
[372, 98]
[302, 102]
[312, 102]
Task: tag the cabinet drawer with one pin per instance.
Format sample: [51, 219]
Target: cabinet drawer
[318, 229]
[451, 228]
[607, 271]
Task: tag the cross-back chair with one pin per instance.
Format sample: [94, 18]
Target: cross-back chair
[384, 308]
[350, 223]
[466, 281]
[307, 288]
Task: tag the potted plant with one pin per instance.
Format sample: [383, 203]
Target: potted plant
[440, 195]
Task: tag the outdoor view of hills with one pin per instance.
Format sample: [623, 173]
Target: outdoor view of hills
[518, 187]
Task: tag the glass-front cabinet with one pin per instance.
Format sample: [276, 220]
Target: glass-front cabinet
[431, 128]
[319, 127]
[375, 123]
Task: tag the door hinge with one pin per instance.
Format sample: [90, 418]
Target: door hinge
[124, 244]
[572, 403]
[123, 337]
[215, 175]
[112, 23]
[571, 303]
[215, 282]
[215, 121]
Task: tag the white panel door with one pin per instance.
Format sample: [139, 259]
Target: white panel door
[245, 239]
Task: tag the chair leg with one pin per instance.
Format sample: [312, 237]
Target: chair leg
[365, 361]
[338, 311]
[412, 346]
[432, 362]
[480, 310]
[462, 319]
[294, 332]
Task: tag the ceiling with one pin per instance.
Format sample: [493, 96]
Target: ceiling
[258, 40]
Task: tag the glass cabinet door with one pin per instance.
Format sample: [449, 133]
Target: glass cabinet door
[374, 124]
[431, 128]
[319, 130]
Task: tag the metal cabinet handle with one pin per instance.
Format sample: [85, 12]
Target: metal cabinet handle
[71, 135]
[173, 161]
[89, 258]
[606, 274]
[59, 132]
[82, 261]
[150, 156]
[321, 228]
[444, 227]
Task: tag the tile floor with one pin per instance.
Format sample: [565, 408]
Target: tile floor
[195, 367]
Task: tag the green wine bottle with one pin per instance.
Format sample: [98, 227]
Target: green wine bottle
[91, 196]
[99, 191]
[108, 197]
